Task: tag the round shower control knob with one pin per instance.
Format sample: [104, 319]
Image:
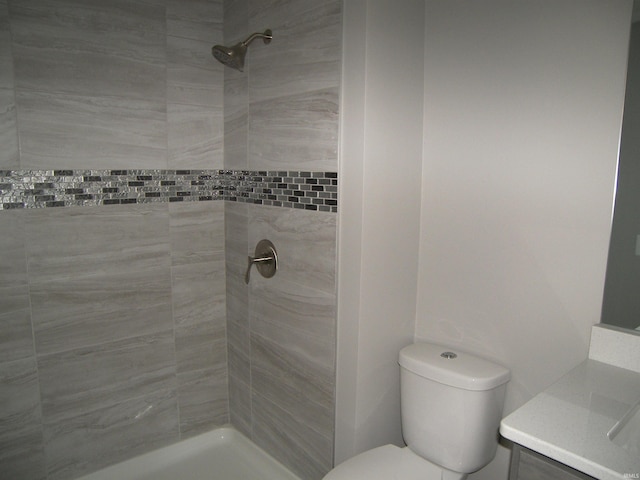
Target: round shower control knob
[448, 355]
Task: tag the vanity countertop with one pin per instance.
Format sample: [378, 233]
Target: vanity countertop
[569, 421]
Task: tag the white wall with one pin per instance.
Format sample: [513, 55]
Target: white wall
[523, 104]
[508, 204]
[380, 162]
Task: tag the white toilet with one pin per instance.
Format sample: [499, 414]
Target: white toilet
[451, 408]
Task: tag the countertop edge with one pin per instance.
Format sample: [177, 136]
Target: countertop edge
[594, 393]
[558, 454]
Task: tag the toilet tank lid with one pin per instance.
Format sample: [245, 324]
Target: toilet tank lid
[452, 367]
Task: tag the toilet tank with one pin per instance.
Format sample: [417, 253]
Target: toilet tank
[451, 405]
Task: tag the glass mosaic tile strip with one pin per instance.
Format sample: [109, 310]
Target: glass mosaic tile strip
[63, 188]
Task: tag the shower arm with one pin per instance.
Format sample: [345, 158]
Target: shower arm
[266, 35]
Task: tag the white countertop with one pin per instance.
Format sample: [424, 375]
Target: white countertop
[569, 421]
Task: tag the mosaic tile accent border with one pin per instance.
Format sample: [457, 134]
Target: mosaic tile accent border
[64, 188]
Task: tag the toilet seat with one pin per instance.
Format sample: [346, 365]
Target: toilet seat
[386, 463]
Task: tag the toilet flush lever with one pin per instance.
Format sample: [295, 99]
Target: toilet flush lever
[265, 259]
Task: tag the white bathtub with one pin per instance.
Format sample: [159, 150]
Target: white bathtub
[222, 454]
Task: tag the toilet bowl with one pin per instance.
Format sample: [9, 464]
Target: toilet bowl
[451, 405]
[385, 463]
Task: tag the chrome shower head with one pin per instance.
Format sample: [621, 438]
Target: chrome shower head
[230, 56]
[234, 56]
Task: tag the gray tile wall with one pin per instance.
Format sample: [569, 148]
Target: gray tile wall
[280, 114]
[128, 327]
[113, 340]
[113, 331]
[8, 126]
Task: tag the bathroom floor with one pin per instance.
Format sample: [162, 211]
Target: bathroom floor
[223, 454]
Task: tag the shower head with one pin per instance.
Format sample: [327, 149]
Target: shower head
[234, 56]
[230, 56]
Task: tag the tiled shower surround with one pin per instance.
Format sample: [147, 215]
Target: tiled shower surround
[64, 188]
[113, 333]
[137, 175]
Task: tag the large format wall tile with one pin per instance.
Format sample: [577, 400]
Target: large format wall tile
[120, 370]
[236, 103]
[110, 434]
[98, 275]
[299, 318]
[124, 305]
[13, 262]
[199, 312]
[102, 299]
[198, 263]
[194, 109]
[9, 158]
[16, 336]
[237, 300]
[200, 346]
[21, 444]
[302, 449]
[236, 93]
[306, 50]
[197, 19]
[292, 339]
[198, 294]
[305, 241]
[236, 21]
[114, 48]
[125, 406]
[194, 84]
[281, 114]
[144, 329]
[203, 399]
[194, 136]
[293, 373]
[194, 77]
[102, 101]
[75, 312]
[71, 242]
[197, 233]
[6, 58]
[236, 120]
[90, 131]
[286, 375]
[239, 353]
[240, 405]
[236, 252]
[294, 84]
[296, 131]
